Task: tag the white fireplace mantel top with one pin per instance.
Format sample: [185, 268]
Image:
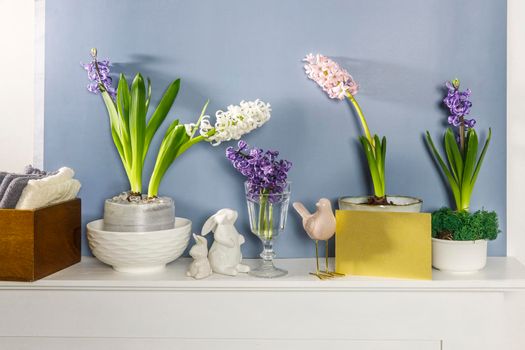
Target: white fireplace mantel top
[500, 274]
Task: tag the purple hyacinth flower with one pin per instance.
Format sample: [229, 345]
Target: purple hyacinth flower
[93, 87]
[469, 123]
[98, 74]
[230, 153]
[453, 120]
[242, 145]
[459, 105]
[263, 171]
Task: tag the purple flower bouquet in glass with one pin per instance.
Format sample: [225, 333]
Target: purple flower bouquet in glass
[267, 197]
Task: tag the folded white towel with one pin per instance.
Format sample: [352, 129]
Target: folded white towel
[50, 190]
[63, 174]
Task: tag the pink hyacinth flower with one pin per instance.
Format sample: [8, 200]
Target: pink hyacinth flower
[332, 78]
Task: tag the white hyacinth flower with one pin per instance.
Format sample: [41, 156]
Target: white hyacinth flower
[236, 121]
[189, 128]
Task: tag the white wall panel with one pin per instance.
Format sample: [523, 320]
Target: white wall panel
[516, 128]
[17, 83]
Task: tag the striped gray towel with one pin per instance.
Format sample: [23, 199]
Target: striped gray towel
[12, 185]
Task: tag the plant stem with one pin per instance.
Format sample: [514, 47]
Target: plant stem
[196, 127]
[462, 135]
[263, 228]
[189, 144]
[379, 183]
[361, 117]
[262, 209]
[270, 221]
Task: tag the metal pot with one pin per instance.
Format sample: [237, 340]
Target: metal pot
[139, 216]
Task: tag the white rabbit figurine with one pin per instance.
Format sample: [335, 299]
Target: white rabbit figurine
[200, 267]
[225, 253]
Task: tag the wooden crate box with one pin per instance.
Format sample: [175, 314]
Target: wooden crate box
[36, 243]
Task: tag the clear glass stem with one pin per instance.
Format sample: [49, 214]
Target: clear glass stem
[267, 254]
[267, 268]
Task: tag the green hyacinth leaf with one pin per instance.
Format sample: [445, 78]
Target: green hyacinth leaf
[172, 126]
[480, 160]
[148, 99]
[160, 113]
[164, 146]
[174, 138]
[137, 126]
[123, 102]
[383, 160]
[378, 153]
[454, 185]
[116, 130]
[120, 150]
[471, 154]
[112, 112]
[372, 165]
[123, 99]
[454, 156]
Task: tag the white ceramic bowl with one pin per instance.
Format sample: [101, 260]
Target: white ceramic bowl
[459, 256]
[138, 252]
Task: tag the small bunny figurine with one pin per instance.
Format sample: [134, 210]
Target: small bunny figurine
[225, 253]
[200, 267]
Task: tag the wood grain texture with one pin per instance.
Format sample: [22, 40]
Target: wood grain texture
[37, 243]
[57, 238]
[16, 244]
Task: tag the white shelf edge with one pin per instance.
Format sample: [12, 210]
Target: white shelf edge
[505, 274]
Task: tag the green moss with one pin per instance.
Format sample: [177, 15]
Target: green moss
[465, 226]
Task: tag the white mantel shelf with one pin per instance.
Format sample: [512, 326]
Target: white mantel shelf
[504, 274]
[90, 306]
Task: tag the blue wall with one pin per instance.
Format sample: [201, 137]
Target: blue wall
[399, 51]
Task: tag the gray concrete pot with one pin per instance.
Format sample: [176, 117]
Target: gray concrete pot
[139, 215]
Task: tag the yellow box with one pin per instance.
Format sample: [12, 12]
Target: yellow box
[383, 244]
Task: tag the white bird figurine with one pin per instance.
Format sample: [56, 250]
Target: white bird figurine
[319, 226]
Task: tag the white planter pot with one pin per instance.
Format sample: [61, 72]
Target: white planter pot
[400, 204]
[138, 252]
[459, 256]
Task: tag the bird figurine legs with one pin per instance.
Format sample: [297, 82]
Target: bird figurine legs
[327, 270]
[319, 225]
[326, 274]
[321, 275]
